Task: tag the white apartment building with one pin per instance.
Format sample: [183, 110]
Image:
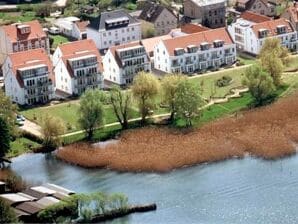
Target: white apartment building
[28, 77]
[195, 52]
[121, 63]
[249, 36]
[22, 37]
[77, 67]
[113, 28]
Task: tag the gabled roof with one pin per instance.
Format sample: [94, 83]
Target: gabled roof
[196, 39]
[193, 28]
[13, 34]
[99, 22]
[252, 2]
[82, 25]
[254, 17]
[24, 59]
[150, 43]
[77, 49]
[271, 26]
[123, 46]
[152, 11]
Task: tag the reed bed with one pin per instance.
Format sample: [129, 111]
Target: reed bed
[270, 132]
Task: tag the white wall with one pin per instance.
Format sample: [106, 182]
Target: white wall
[112, 72]
[63, 80]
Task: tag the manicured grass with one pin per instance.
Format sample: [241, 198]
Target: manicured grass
[13, 17]
[246, 59]
[209, 82]
[21, 145]
[68, 112]
[58, 39]
[292, 65]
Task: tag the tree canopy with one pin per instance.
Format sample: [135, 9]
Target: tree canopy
[7, 215]
[4, 137]
[260, 84]
[91, 111]
[188, 101]
[145, 88]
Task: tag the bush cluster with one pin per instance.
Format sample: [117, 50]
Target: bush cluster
[224, 81]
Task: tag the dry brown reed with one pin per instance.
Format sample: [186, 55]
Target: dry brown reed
[269, 132]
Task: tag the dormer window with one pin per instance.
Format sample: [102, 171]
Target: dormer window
[280, 29]
[218, 43]
[263, 33]
[24, 29]
[204, 46]
[179, 51]
[192, 49]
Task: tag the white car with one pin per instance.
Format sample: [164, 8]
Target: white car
[54, 30]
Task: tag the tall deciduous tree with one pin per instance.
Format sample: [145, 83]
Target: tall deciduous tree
[260, 84]
[121, 102]
[91, 111]
[188, 101]
[273, 57]
[7, 110]
[7, 215]
[169, 87]
[4, 137]
[145, 89]
[52, 128]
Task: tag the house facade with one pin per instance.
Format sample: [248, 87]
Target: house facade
[77, 67]
[162, 18]
[195, 52]
[22, 37]
[28, 77]
[263, 7]
[291, 14]
[121, 63]
[210, 13]
[250, 36]
[113, 28]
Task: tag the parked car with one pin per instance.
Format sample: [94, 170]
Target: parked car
[54, 30]
[20, 117]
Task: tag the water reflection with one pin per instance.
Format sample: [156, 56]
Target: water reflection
[234, 191]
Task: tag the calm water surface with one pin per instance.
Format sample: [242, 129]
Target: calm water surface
[234, 191]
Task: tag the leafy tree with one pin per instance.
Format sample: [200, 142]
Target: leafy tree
[91, 111]
[121, 102]
[7, 110]
[273, 57]
[4, 137]
[169, 86]
[52, 128]
[188, 101]
[104, 4]
[7, 215]
[145, 89]
[260, 84]
[43, 9]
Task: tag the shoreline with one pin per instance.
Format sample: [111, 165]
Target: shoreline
[269, 132]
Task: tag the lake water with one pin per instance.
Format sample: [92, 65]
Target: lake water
[234, 191]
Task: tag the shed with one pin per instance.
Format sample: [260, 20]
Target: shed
[58, 189]
[30, 207]
[47, 201]
[13, 198]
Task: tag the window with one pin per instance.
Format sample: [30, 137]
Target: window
[104, 34]
[132, 29]
[127, 29]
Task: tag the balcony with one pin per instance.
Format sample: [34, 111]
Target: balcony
[39, 85]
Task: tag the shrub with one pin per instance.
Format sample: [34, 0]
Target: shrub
[224, 81]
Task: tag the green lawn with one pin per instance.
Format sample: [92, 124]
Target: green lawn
[58, 39]
[13, 17]
[21, 145]
[246, 59]
[209, 82]
[68, 112]
[292, 65]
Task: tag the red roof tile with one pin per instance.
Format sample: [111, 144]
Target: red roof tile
[78, 49]
[82, 25]
[13, 34]
[193, 28]
[30, 58]
[254, 17]
[197, 38]
[271, 26]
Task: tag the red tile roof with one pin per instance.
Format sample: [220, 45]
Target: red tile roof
[193, 28]
[254, 17]
[13, 34]
[77, 49]
[198, 38]
[30, 58]
[271, 26]
[82, 25]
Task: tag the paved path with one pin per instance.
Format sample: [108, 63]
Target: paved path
[32, 128]
[61, 3]
[6, 7]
